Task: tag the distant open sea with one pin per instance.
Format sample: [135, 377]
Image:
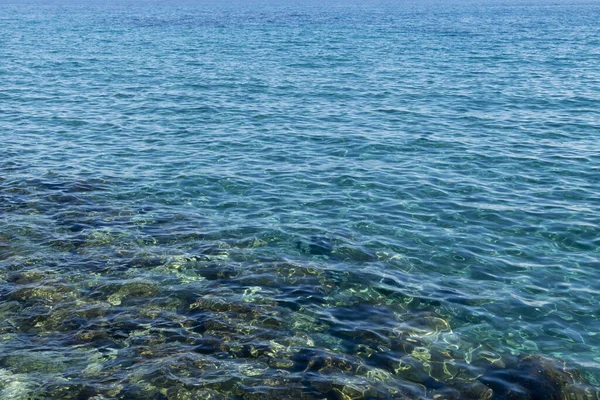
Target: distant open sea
[299, 200]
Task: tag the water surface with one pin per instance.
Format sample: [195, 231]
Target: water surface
[300, 200]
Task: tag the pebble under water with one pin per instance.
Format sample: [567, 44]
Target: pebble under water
[300, 200]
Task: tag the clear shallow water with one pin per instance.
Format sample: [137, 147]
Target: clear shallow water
[299, 201]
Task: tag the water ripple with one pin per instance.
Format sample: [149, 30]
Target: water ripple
[219, 201]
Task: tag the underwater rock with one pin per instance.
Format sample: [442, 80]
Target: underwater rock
[280, 363]
[473, 390]
[83, 336]
[349, 392]
[135, 392]
[180, 392]
[218, 305]
[143, 261]
[412, 369]
[421, 324]
[25, 277]
[5, 250]
[307, 323]
[214, 271]
[77, 227]
[537, 377]
[273, 389]
[580, 392]
[353, 254]
[487, 359]
[315, 359]
[39, 362]
[48, 293]
[446, 393]
[318, 246]
[19, 386]
[69, 391]
[361, 341]
[164, 307]
[132, 289]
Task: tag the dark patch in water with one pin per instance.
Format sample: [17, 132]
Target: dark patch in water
[534, 377]
[318, 246]
[78, 227]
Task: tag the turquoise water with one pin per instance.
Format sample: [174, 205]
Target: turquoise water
[249, 200]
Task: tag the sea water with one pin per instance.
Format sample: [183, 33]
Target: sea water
[392, 199]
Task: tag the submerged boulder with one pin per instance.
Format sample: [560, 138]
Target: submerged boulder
[537, 377]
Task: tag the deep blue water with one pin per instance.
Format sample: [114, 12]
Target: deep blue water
[301, 200]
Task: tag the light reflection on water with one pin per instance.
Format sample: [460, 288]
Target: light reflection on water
[200, 201]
